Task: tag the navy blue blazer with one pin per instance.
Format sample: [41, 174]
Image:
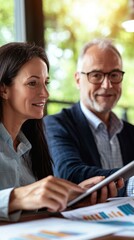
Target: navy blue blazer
[73, 148]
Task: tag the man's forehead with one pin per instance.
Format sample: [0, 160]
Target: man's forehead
[98, 59]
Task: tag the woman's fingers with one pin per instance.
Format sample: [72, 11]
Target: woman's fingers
[51, 192]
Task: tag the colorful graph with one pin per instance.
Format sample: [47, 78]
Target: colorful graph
[45, 235]
[120, 211]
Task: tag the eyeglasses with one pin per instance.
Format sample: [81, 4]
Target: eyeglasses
[97, 77]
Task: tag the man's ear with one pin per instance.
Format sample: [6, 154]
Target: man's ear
[77, 79]
[3, 91]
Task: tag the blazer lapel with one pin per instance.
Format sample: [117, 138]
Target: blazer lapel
[85, 133]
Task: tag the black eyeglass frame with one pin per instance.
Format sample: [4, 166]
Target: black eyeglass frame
[104, 74]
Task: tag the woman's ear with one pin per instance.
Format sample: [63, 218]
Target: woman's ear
[3, 91]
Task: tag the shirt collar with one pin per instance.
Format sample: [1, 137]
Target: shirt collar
[91, 117]
[6, 137]
[116, 124]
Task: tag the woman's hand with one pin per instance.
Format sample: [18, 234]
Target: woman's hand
[51, 193]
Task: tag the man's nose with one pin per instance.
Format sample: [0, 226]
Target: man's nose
[106, 82]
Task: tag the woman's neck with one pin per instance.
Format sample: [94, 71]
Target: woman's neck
[13, 129]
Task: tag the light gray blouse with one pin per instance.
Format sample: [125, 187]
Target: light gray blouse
[15, 169]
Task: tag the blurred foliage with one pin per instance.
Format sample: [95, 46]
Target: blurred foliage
[71, 23]
[6, 21]
[68, 24]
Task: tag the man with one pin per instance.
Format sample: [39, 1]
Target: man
[88, 139]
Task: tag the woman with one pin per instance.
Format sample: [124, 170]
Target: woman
[26, 181]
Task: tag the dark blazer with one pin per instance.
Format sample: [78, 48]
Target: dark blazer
[73, 148]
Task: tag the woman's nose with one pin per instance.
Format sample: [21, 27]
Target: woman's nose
[44, 91]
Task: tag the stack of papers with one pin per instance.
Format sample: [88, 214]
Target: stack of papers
[114, 217]
[117, 212]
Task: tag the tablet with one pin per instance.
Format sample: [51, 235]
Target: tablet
[125, 172]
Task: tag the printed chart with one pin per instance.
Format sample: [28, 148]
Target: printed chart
[116, 212]
[46, 235]
[54, 229]
[116, 209]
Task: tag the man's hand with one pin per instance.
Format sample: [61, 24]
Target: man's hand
[100, 196]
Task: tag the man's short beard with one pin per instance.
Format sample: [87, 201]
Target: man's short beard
[98, 108]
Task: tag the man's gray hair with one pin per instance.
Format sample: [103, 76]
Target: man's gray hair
[102, 44]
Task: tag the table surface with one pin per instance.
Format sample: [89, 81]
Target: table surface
[45, 214]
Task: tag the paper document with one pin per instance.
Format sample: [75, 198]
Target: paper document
[112, 212]
[125, 233]
[55, 229]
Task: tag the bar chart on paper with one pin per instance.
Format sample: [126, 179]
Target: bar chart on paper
[118, 209]
[55, 229]
[45, 235]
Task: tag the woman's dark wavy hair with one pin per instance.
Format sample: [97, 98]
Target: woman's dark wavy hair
[12, 57]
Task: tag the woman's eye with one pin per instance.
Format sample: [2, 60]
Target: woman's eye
[32, 83]
[47, 83]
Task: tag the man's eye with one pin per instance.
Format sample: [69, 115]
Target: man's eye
[96, 75]
[115, 75]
